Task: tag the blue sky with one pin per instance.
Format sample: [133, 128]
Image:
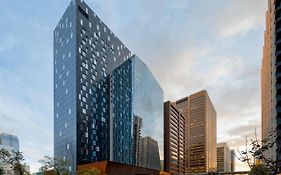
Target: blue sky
[189, 46]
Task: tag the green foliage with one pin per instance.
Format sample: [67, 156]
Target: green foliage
[56, 166]
[1, 171]
[14, 159]
[92, 171]
[259, 170]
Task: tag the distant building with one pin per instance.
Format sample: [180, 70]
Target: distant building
[9, 140]
[232, 160]
[223, 157]
[40, 172]
[10, 143]
[201, 131]
[175, 134]
[149, 154]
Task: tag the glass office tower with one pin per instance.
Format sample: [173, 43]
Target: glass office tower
[136, 113]
[85, 52]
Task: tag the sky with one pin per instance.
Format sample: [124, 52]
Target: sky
[189, 46]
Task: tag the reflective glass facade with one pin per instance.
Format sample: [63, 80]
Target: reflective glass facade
[85, 53]
[137, 113]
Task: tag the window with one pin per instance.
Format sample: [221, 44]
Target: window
[67, 146]
[98, 27]
[84, 111]
[90, 24]
[65, 125]
[84, 99]
[81, 22]
[84, 87]
[84, 76]
[84, 42]
[69, 111]
[97, 53]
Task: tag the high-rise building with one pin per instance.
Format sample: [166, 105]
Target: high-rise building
[232, 160]
[149, 154]
[271, 81]
[86, 51]
[175, 137]
[136, 111]
[105, 101]
[223, 157]
[201, 132]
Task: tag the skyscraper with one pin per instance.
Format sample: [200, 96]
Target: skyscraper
[136, 112]
[201, 132]
[223, 157]
[271, 81]
[85, 53]
[175, 140]
[105, 101]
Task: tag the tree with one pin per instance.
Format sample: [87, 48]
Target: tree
[256, 152]
[1, 171]
[259, 169]
[92, 171]
[58, 166]
[14, 159]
